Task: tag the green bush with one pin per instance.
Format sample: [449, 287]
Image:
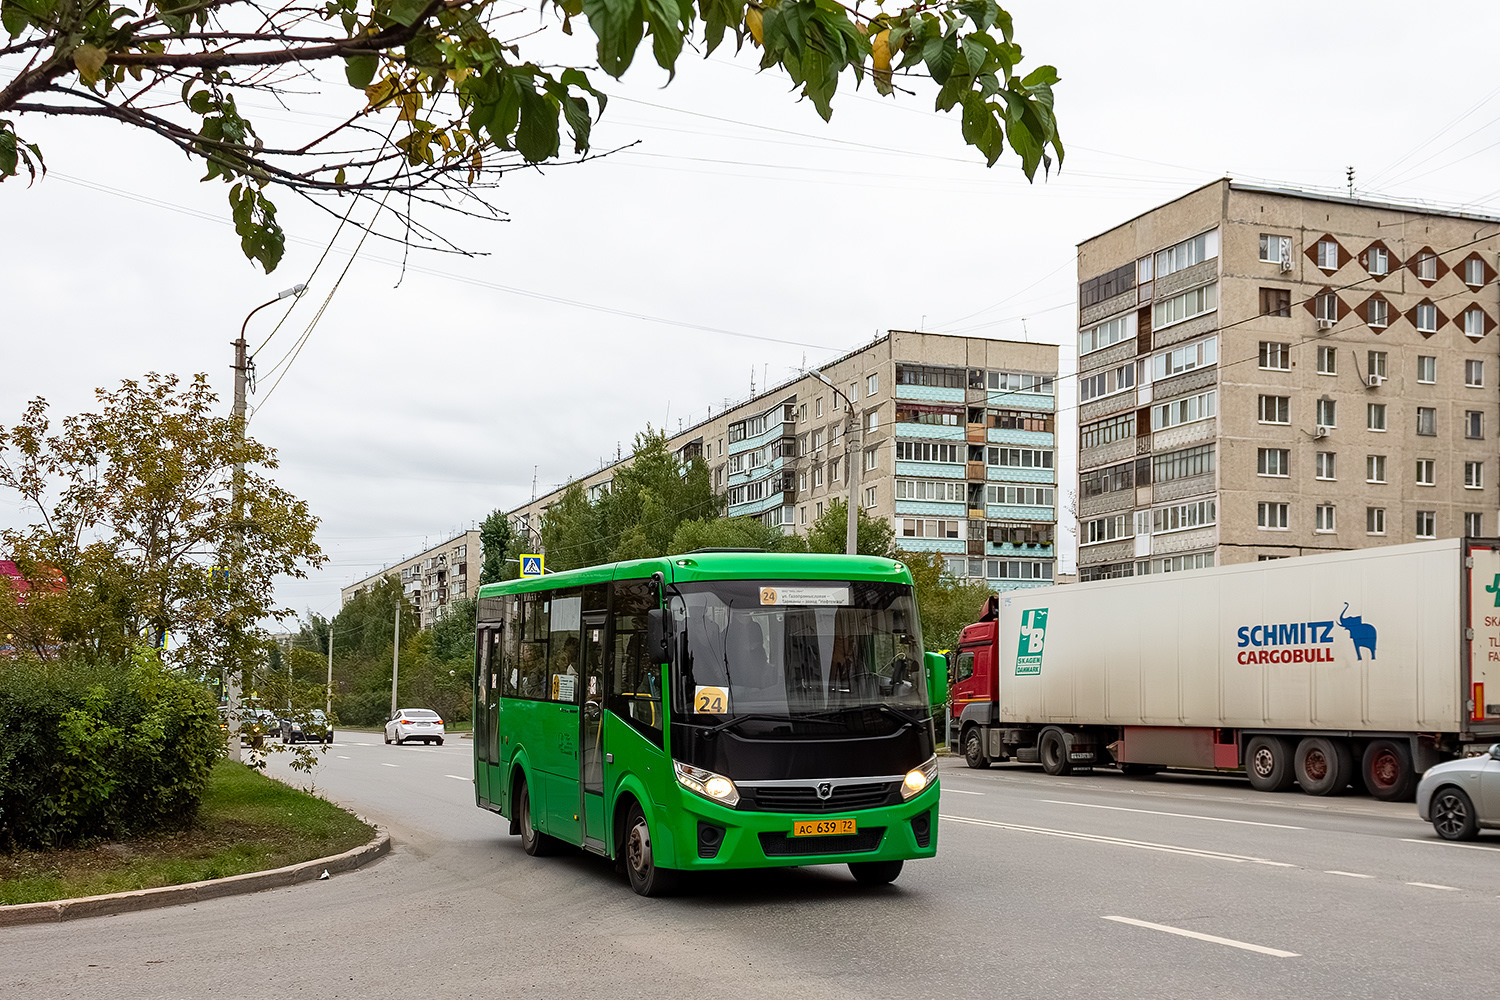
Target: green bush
[363, 708]
[94, 752]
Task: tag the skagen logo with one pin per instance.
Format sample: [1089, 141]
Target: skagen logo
[825, 790]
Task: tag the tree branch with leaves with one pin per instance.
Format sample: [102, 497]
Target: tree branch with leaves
[448, 99]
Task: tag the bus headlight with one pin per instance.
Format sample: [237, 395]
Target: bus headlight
[714, 787]
[918, 778]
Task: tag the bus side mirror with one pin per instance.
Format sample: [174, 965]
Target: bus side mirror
[937, 677]
[656, 635]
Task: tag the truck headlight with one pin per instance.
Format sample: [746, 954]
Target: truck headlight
[918, 778]
[714, 787]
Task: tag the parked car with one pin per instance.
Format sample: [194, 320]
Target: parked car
[1461, 796]
[415, 724]
[310, 726]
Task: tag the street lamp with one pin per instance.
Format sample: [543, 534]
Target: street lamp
[854, 453]
[241, 368]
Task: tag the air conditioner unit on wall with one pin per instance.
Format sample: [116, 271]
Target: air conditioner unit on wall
[1320, 432]
[1286, 259]
[1326, 324]
[1373, 381]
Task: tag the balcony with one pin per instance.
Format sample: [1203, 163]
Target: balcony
[975, 433]
[974, 470]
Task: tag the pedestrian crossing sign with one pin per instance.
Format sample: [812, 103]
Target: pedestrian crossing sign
[531, 566]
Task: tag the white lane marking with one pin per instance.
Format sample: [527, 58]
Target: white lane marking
[960, 791]
[386, 763]
[1430, 885]
[458, 776]
[1115, 841]
[1348, 874]
[341, 756]
[1446, 843]
[1156, 812]
[1228, 942]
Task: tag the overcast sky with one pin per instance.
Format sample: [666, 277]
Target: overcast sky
[740, 238]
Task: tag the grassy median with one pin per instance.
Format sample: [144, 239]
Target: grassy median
[247, 823]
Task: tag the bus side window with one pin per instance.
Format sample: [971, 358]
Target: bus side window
[635, 687]
[510, 646]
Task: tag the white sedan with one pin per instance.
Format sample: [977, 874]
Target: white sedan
[415, 724]
[1460, 796]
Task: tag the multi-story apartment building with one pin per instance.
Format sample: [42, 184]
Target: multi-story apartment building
[1266, 372]
[956, 447]
[431, 579]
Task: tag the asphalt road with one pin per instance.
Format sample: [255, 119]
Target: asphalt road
[1085, 887]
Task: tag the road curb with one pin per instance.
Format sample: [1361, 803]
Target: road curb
[191, 892]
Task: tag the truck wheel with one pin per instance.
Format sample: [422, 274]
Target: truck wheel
[1139, 770]
[1453, 815]
[1387, 770]
[974, 749]
[1053, 751]
[1323, 765]
[1268, 764]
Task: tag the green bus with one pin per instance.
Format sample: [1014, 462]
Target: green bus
[711, 711]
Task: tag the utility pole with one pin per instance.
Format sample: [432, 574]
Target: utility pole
[328, 700]
[855, 455]
[237, 504]
[396, 656]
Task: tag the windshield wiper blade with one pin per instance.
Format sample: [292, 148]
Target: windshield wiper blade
[910, 720]
[715, 730]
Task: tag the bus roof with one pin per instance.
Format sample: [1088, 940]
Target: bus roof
[717, 566]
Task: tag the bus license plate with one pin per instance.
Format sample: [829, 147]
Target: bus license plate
[823, 827]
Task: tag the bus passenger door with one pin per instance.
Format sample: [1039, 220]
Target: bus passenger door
[591, 742]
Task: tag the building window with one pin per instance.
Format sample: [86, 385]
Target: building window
[1275, 302]
[1021, 496]
[1426, 524]
[1272, 461]
[1106, 383]
[803, 514]
[1103, 432]
[1326, 413]
[1378, 261]
[1275, 356]
[1180, 517]
[1275, 249]
[872, 458]
[1185, 306]
[1474, 525]
[1374, 520]
[1020, 458]
[919, 528]
[1426, 266]
[817, 477]
[1473, 373]
[870, 496]
[1427, 421]
[1106, 286]
[1105, 529]
[1183, 464]
[1324, 521]
[1374, 468]
[1275, 409]
[1474, 272]
[1328, 255]
[1474, 425]
[1328, 360]
[834, 468]
[1473, 475]
[1325, 465]
[1105, 334]
[1426, 472]
[1426, 317]
[817, 407]
[1474, 323]
[1375, 416]
[1326, 305]
[1187, 253]
[930, 489]
[1377, 313]
[872, 384]
[872, 420]
[1185, 359]
[1426, 368]
[926, 451]
[1182, 411]
[1271, 516]
[820, 508]
[1375, 363]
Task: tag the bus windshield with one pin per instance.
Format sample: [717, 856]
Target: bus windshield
[803, 658]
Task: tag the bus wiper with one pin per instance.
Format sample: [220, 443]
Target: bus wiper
[715, 730]
[910, 720]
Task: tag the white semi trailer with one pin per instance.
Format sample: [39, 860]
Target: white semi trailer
[1323, 671]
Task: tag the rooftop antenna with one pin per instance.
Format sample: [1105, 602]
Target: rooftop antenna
[533, 482]
[619, 452]
[1025, 334]
[1349, 174]
[752, 380]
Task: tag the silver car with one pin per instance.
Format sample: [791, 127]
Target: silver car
[1461, 796]
[415, 724]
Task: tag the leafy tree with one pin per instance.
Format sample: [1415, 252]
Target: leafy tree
[732, 533]
[829, 533]
[453, 633]
[494, 537]
[444, 99]
[140, 533]
[945, 602]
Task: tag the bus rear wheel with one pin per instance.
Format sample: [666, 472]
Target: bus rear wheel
[875, 872]
[646, 879]
[533, 841]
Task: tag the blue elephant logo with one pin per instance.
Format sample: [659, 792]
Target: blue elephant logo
[1361, 632]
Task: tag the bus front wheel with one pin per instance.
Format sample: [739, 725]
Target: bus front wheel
[875, 872]
[640, 860]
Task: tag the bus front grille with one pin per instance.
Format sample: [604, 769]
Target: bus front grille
[781, 845]
[804, 798]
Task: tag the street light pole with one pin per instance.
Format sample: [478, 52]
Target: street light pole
[855, 454]
[241, 372]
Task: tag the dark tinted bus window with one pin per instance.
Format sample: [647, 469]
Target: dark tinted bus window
[634, 685]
